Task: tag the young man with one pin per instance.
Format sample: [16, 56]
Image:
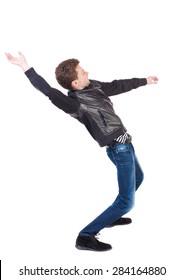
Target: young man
[88, 101]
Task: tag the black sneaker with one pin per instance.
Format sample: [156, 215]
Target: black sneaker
[91, 243]
[120, 222]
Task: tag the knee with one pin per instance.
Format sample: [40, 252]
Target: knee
[126, 204]
[141, 177]
[130, 204]
[139, 180]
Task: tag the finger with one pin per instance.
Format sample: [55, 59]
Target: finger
[21, 54]
[8, 55]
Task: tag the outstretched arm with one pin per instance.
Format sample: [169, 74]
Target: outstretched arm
[20, 61]
[36, 80]
[120, 86]
[63, 102]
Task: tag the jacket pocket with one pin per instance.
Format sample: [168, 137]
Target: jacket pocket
[102, 118]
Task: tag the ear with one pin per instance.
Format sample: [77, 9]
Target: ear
[75, 84]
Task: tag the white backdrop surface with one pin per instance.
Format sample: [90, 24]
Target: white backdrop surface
[54, 178]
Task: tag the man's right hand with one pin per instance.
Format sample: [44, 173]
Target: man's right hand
[20, 60]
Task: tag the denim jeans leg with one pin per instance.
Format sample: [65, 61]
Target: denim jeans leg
[123, 156]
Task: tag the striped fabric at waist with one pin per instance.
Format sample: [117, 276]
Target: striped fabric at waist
[122, 139]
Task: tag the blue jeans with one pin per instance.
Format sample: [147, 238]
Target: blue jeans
[130, 176]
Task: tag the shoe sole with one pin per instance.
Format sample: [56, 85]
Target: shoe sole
[118, 225]
[90, 249]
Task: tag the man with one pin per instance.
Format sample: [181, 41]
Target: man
[88, 101]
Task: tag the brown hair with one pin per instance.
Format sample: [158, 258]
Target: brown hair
[66, 74]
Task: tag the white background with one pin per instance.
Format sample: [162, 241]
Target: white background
[54, 178]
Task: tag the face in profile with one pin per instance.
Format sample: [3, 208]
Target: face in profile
[82, 81]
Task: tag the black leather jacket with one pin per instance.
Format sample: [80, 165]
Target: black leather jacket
[96, 112]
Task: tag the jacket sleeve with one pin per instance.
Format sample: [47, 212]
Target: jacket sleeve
[59, 99]
[120, 86]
